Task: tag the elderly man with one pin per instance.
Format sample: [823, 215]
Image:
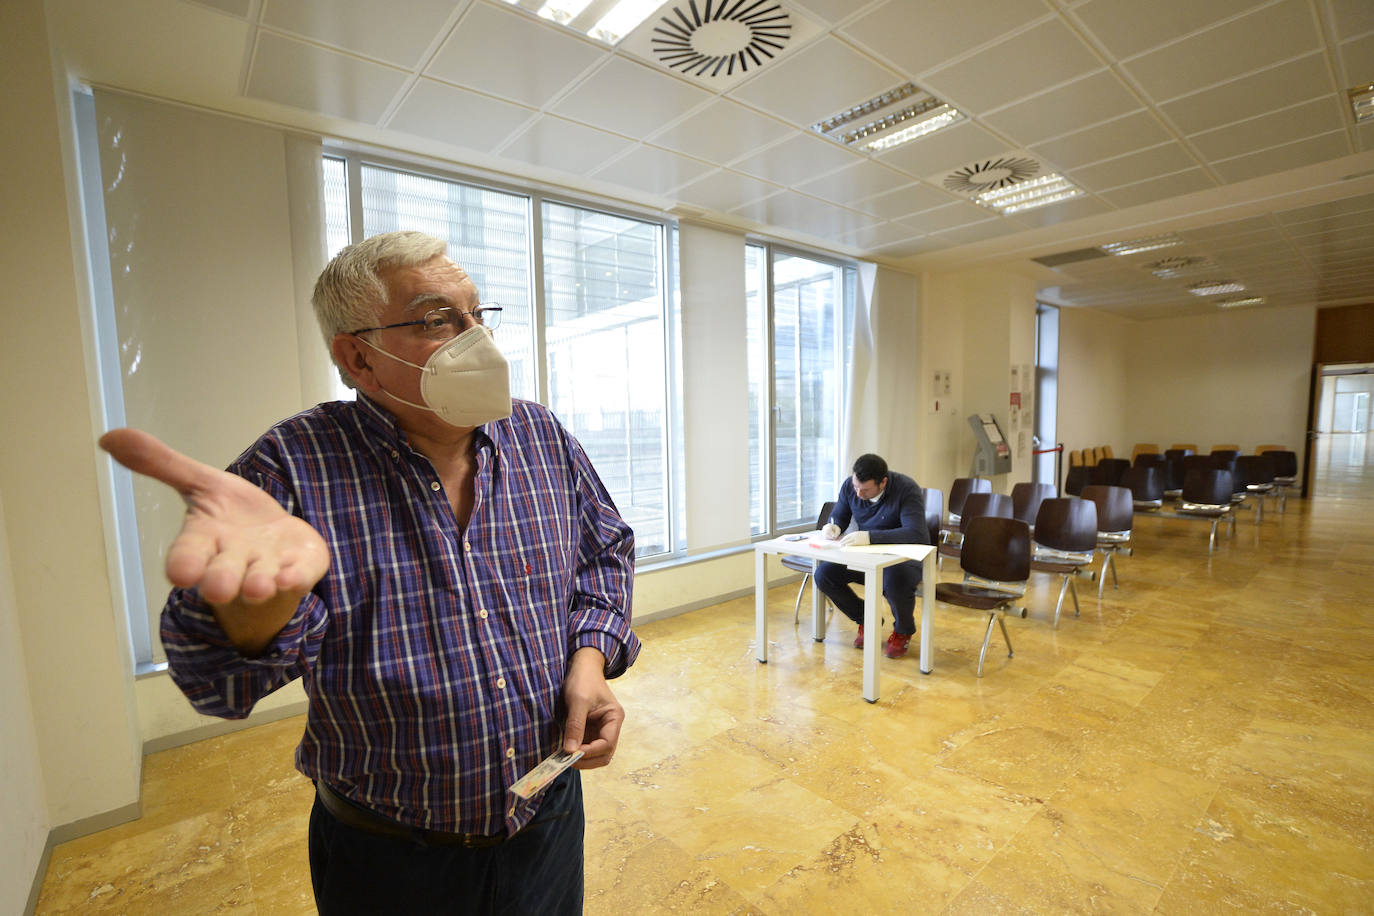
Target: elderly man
[443, 569]
[884, 507]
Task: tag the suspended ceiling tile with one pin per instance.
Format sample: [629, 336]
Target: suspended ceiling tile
[944, 150]
[1036, 59]
[1231, 230]
[977, 232]
[490, 50]
[721, 132]
[1103, 141]
[1351, 17]
[862, 179]
[816, 82]
[725, 190]
[909, 248]
[1093, 98]
[557, 143]
[949, 216]
[1128, 27]
[364, 27]
[833, 11]
[1062, 212]
[805, 214]
[309, 77]
[451, 115]
[236, 8]
[629, 98]
[1306, 119]
[1334, 208]
[796, 159]
[1165, 186]
[1133, 167]
[903, 201]
[919, 37]
[1257, 94]
[654, 170]
[1227, 51]
[1358, 57]
[1282, 158]
[877, 235]
[1361, 221]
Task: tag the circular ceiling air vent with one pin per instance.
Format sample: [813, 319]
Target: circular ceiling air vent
[722, 43]
[990, 175]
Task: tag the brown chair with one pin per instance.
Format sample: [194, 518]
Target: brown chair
[1256, 474]
[1261, 449]
[1026, 499]
[1189, 447]
[977, 505]
[1115, 515]
[935, 510]
[1075, 458]
[1226, 447]
[1064, 541]
[1285, 474]
[996, 555]
[1097, 456]
[958, 492]
[1207, 494]
[1077, 479]
[1144, 448]
[1109, 471]
[806, 565]
[1146, 483]
[1107, 452]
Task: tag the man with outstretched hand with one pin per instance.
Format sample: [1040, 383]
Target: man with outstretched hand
[442, 568]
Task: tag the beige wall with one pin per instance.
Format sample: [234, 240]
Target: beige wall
[72, 642]
[1093, 380]
[1238, 377]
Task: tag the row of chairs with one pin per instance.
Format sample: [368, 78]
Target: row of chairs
[1089, 456]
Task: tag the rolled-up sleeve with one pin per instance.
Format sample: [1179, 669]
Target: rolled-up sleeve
[599, 615]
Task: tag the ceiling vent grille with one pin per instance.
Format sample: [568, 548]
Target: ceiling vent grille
[991, 174]
[722, 42]
[1070, 257]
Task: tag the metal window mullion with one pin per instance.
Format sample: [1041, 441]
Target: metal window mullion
[770, 433]
[671, 474]
[353, 184]
[538, 303]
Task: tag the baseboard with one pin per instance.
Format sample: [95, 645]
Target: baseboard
[96, 822]
[664, 613]
[222, 727]
[36, 887]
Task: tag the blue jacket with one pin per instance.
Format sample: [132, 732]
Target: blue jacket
[899, 517]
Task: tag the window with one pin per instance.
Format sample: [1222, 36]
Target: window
[594, 342]
[799, 329]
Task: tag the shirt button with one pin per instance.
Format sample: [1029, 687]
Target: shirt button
[467, 545]
[510, 752]
[501, 682]
[434, 485]
[395, 454]
[482, 613]
[511, 812]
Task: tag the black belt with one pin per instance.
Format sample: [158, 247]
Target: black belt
[351, 814]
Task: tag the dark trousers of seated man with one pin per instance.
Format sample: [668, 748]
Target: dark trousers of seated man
[899, 588]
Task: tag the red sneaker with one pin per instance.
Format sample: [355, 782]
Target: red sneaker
[896, 645]
[859, 640]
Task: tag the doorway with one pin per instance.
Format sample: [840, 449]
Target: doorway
[1343, 448]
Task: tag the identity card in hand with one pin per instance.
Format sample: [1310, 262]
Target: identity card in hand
[547, 770]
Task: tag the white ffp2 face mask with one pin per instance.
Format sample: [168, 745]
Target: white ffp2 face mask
[466, 381]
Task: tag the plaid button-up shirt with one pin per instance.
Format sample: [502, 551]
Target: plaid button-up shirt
[433, 657]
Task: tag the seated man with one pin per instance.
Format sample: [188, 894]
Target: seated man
[886, 508]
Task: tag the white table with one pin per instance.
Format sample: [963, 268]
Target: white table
[872, 560]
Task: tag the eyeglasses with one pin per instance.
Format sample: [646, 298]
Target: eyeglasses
[445, 322]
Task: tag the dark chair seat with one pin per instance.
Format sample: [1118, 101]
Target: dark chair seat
[1146, 483]
[1115, 517]
[977, 504]
[1207, 493]
[959, 492]
[1064, 540]
[806, 565]
[973, 596]
[997, 552]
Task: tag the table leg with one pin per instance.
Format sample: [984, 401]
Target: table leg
[761, 604]
[873, 637]
[817, 611]
[928, 582]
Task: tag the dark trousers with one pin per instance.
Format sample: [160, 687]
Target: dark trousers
[899, 587]
[538, 870]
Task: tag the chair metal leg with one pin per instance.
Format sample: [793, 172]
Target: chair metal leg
[1001, 621]
[1060, 603]
[987, 638]
[1212, 537]
[796, 611]
[1102, 576]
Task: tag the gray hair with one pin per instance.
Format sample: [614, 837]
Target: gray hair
[350, 293]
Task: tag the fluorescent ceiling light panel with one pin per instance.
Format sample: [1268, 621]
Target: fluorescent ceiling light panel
[623, 19]
[1240, 303]
[563, 11]
[1168, 268]
[1216, 287]
[897, 116]
[605, 20]
[1136, 246]
[1027, 195]
[1362, 102]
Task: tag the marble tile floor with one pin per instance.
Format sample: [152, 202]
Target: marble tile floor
[1200, 740]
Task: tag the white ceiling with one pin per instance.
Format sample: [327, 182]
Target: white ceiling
[1224, 120]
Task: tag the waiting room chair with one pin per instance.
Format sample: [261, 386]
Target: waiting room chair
[958, 492]
[1285, 473]
[1075, 458]
[996, 558]
[975, 506]
[1107, 452]
[1207, 494]
[806, 565]
[1226, 447]
[935, 510]
[1077, 479]
[1064, 542]
[1026, 499]
[1256, 474]
[1146, 483]
[1115, 515]
[1144, 448]
[1189, 447]
[1109, 471]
